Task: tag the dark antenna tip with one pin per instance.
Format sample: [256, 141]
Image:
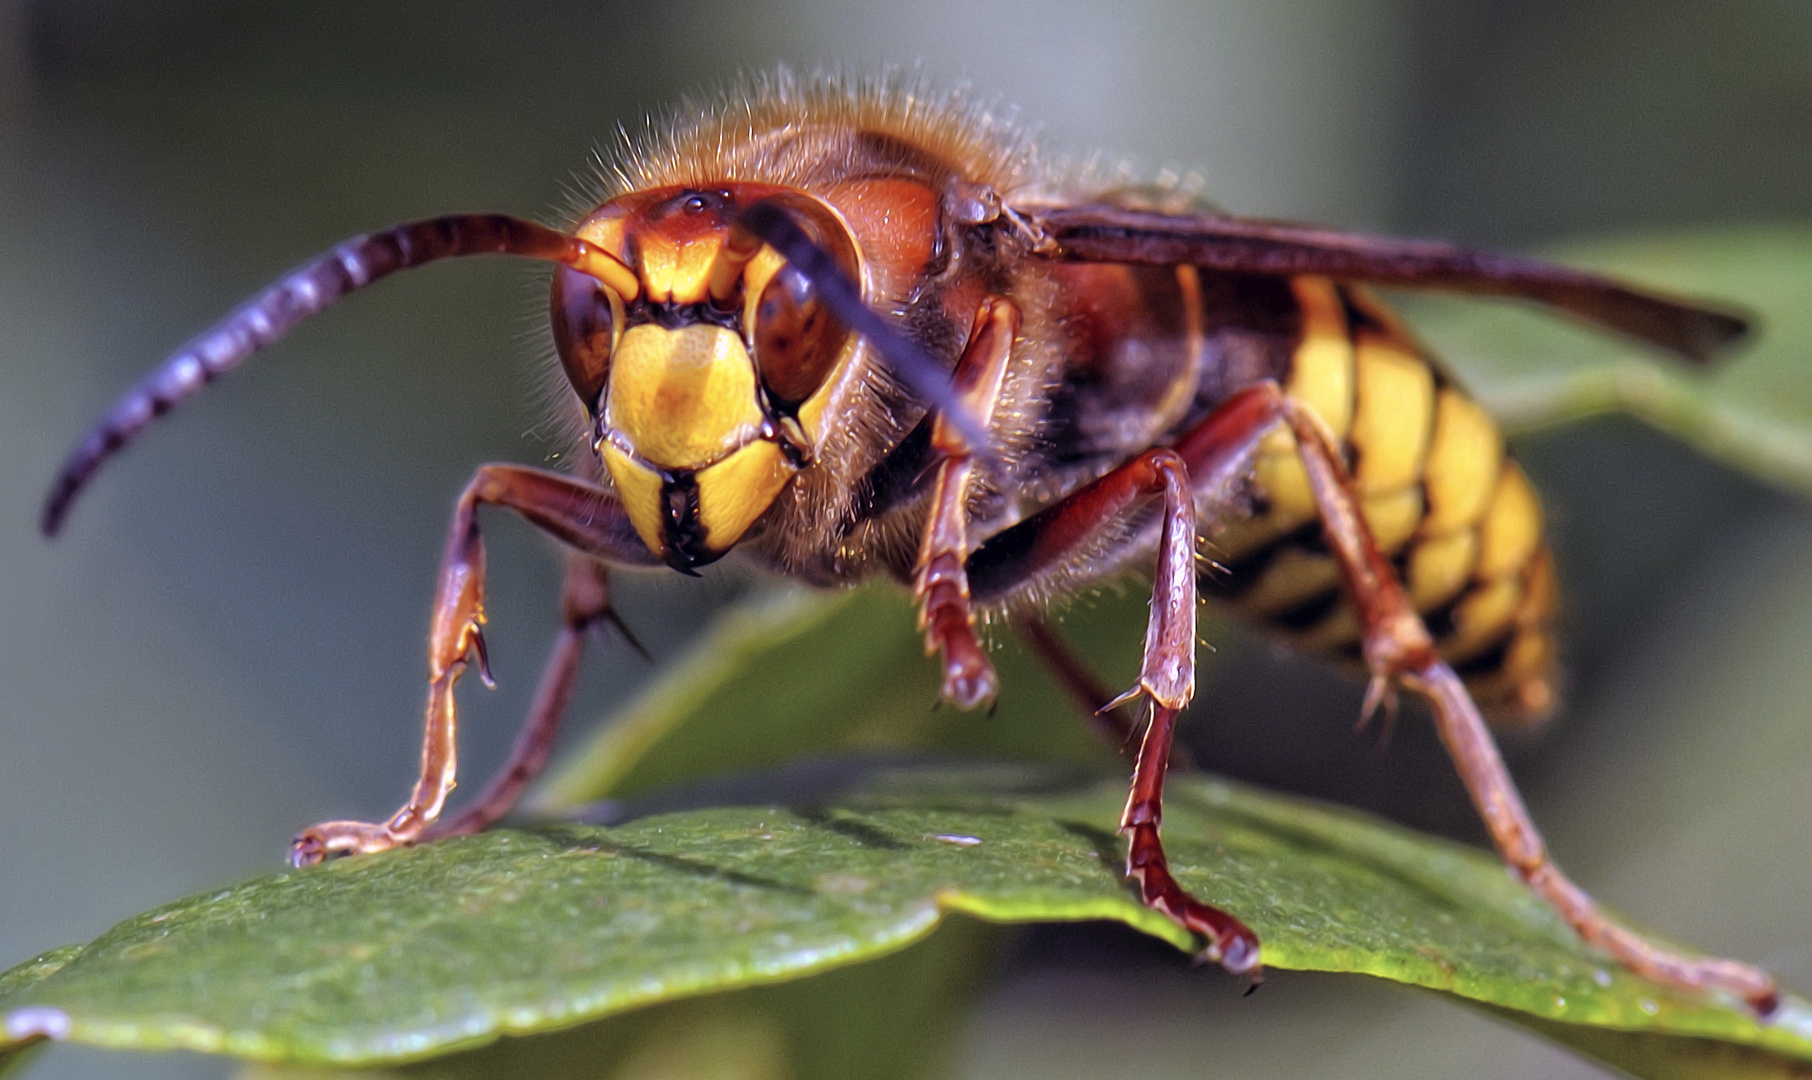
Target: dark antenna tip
[71, 479]
[56, 508]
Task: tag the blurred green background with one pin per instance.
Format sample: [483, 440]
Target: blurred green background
[228, 642]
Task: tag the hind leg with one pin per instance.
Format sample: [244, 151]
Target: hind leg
[1400, 652]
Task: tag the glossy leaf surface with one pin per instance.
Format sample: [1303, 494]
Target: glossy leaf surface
[419, 952]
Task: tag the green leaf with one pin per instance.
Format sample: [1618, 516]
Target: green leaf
[423, 951]
[895, 1017]
[13, 1055]
[1752, 410]
[1656, 1056]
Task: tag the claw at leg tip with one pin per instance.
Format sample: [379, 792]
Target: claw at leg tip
[306, 850]
[1240, 955]
[970, 690]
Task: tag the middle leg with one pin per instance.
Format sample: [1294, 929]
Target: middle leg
[1069, 531]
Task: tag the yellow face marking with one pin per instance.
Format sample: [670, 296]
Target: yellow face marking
[739, 489]
[639, 487]
[1321, 370]
[811, 413]
[682, 398]
[1440, 567]
[1463, 462]
[1511, 529]
[1395, 404]
[761, 270]
[1393, 516]
[677, 272]
[604, 232]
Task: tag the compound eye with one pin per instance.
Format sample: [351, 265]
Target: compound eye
[587, 319]
[797, 342]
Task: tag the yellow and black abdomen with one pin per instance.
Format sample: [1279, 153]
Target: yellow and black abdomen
[1457, 516]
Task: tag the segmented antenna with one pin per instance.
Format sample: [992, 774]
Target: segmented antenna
[305, 292]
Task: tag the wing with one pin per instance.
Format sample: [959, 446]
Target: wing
[1106, 233]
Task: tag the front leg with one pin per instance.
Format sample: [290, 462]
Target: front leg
[584, 517]
[584, 606]
[941, 584]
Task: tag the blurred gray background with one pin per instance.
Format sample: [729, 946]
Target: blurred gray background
[227, 644]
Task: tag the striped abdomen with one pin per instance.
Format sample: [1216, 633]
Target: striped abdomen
[1458, 517]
